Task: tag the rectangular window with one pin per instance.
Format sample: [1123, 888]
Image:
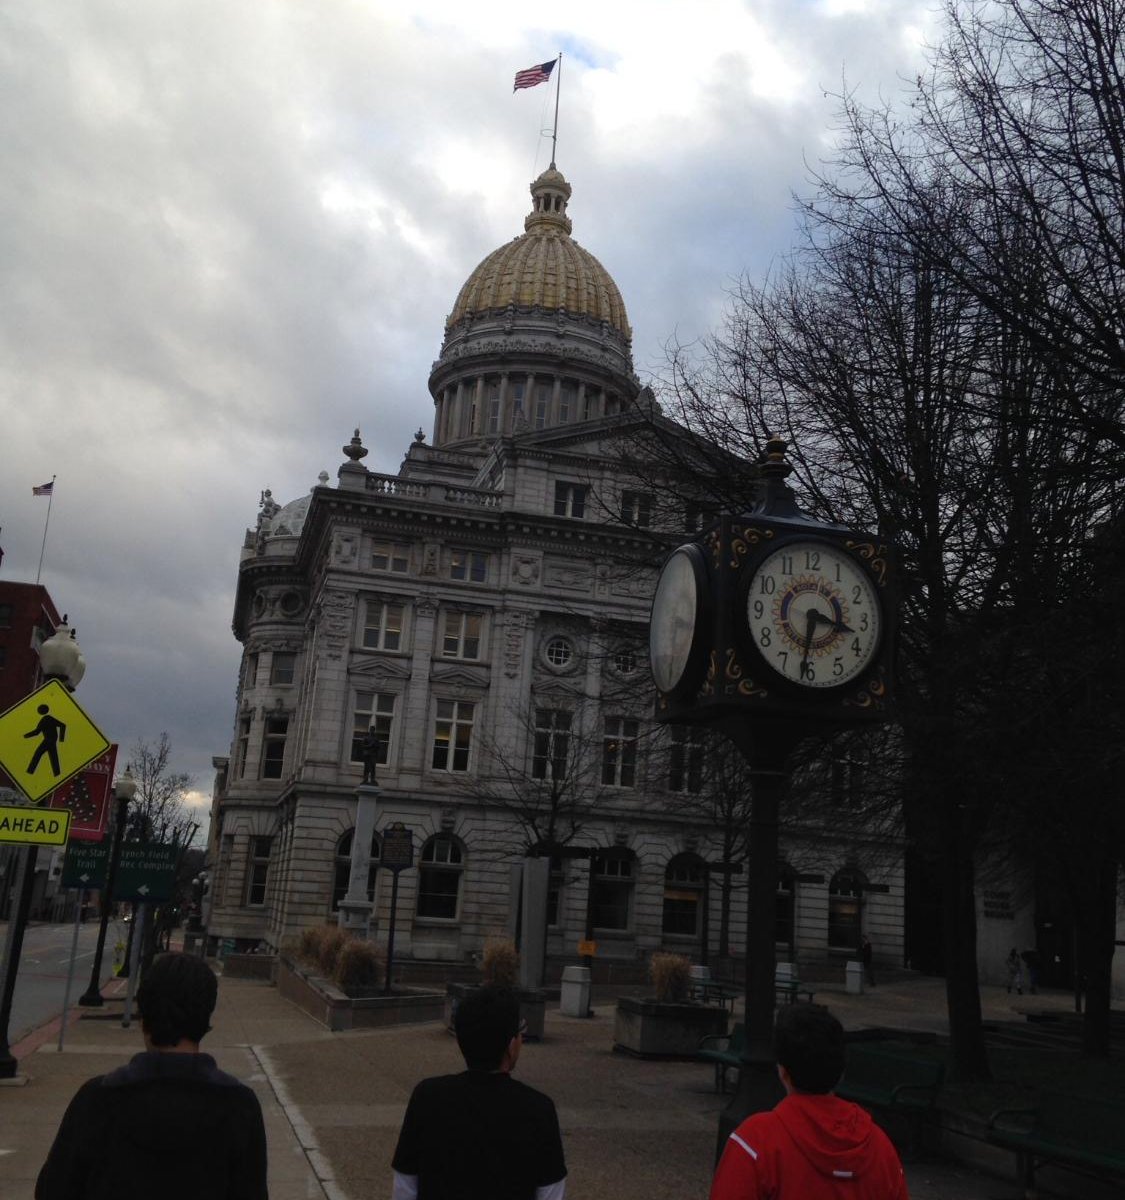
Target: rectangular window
[5, 616]
[619, 752]
[390, 556]
[517, 388]
[613, 891]
[283, 666]
[461, 638]
[493, 408]
[382, 629]
[552, 743]
[273, 747]
[257, 871]
[542, 405]
[453, 732]
[636, 509]
[251, 670]
[570, 500]
[568, 403]
[242, 749]
[373, 710]
[470, 565]
[685, 762]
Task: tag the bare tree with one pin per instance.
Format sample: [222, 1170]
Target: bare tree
[160, 811]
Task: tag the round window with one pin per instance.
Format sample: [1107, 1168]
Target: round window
[291, 604]
[559, 652]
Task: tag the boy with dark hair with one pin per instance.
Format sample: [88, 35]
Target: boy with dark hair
[481, 1135]
[118, 1137]
[812, 1144]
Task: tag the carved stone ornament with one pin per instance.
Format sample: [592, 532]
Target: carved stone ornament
[515, 629]
[525, 570]
[337, 613]
[345, 550]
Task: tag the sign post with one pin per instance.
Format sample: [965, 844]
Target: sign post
[398, 855]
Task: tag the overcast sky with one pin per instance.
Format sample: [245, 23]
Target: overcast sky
[231, 231]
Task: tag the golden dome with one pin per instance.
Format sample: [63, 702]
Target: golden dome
[545, 268]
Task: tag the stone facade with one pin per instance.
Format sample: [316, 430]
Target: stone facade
[485, 612]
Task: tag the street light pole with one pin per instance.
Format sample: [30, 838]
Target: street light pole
[61, 659]
[123, 790]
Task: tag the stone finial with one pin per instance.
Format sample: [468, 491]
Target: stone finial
[420, 436]
[355, 449]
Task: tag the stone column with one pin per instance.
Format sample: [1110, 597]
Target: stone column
[355, 907]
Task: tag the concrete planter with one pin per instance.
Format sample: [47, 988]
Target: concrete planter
[652, 1029]
[533, 1007]
[323, 1001]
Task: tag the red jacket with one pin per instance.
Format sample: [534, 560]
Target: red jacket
[809, 1148]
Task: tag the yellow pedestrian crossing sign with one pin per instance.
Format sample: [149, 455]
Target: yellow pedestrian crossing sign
[46, 739]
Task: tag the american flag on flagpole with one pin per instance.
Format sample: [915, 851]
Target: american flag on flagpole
[540, 73]
[44, 489]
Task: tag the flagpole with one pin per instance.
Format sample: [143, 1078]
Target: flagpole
[46, 526]
[555, 131]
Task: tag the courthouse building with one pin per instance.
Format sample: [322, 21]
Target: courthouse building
[484, 611]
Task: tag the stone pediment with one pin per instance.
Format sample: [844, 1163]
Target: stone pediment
[379, 668]
[458, 673]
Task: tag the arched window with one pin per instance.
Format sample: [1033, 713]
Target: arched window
[343, 870]
[439, 877]
[785, 909]
[845, 900]
[683, 896]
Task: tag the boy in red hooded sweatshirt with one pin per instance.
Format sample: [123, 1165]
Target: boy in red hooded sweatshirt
[812, 1144]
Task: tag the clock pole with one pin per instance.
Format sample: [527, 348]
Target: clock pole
[742, 620]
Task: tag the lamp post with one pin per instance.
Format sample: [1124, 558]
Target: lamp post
[59, 658]
[123, 791]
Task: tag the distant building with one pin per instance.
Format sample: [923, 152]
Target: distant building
[27, 617]
[483, 613]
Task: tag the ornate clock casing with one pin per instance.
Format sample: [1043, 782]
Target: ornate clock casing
[794, 619]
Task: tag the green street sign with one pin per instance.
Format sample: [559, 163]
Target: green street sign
[85, 865]
[146, 871]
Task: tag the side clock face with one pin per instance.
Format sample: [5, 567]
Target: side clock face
[814, 614]
[678, 608]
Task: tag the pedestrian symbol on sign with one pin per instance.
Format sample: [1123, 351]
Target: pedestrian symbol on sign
[52, 731]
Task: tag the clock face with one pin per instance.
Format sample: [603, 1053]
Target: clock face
[676, 611]
[813, 614]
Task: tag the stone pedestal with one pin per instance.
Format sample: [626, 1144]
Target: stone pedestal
[356, 907]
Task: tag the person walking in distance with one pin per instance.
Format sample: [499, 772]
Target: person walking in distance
[812, 1145]
[123, 1135]
[480, 1134]
[865, 954]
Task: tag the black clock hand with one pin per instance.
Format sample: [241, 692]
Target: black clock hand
[810, 629]
[839, 626]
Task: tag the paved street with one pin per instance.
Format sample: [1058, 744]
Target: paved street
[333, 1102]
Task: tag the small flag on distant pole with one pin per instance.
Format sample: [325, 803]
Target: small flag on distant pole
[540, 73]
[44, 489]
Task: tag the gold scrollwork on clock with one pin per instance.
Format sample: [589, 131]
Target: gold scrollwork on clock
[743, 537]
[874, 556]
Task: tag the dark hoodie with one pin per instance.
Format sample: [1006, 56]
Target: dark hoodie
[810, 1147]
[167, 1125]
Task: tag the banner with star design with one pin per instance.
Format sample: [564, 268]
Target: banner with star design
[88, 797]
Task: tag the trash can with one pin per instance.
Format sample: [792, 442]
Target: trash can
[853, 978]
[574, 995]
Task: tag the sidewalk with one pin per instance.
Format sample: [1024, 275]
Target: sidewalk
[632, 1130]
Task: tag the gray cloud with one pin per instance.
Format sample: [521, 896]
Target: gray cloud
[231, 232]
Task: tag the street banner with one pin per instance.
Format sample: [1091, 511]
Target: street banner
[88, 797]
[23, 825]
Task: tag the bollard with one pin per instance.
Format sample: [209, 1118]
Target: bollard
[574, 994]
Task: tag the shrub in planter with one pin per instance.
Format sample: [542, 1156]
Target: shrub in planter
[671, 977]
[308, 943]
[359, 968]
[332, 942]
[500, 963]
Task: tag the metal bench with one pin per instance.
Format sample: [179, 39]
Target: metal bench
[789, 991]
[725, 1051]
[891, 1078]
[1085, 1133]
